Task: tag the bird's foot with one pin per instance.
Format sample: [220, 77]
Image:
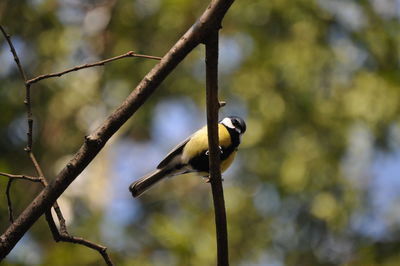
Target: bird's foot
[208, 180]
[220, 150]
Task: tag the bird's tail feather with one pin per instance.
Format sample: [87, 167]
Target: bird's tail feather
[144, 183]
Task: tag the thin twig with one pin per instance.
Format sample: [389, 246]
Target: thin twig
[27, 103]
[27, 100]
[60, 217]
[14, 53]
[37, 166]
[78, 240]
[64, 236]
[99, 63]
[25, 177]
[213, 106]
[9, 204]
[43, 180]
[38, 169]
[12, 177]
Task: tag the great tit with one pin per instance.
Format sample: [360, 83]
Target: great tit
[191, 155]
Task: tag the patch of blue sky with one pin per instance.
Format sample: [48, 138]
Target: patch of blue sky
[69, 12]
[384, 196]
[348, 13]
[387, 9]
[23, 50]
[349, 55]
[7, 61]
[268, 258]
[26, 252]
[233, 50]
[173, 121]
[378, 218]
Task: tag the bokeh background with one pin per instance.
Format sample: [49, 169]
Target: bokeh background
[316, 181]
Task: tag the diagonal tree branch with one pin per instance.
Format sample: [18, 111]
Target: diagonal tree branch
[210, 20]
[213, 106]
[14, 53]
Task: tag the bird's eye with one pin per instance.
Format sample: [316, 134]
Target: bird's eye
[235, 122]
[237, 125]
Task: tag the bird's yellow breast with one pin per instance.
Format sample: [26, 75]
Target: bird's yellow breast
[228, 161]
[199, 144]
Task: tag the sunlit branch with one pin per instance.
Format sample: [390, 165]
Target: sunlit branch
[99, 63]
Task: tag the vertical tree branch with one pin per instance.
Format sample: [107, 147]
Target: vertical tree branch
[214, 158]
[27, 103]
[9, 203]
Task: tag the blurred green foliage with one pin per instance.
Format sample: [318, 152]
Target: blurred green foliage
[315, 180]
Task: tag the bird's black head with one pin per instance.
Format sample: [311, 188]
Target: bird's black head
[236, 123]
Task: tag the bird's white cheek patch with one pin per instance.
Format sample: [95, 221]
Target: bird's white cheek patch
[227, 122]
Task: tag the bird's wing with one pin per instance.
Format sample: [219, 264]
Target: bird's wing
[175, 151]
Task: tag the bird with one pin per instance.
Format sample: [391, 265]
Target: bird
[191, 155]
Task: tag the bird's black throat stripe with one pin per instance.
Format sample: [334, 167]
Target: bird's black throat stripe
[200, 162]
